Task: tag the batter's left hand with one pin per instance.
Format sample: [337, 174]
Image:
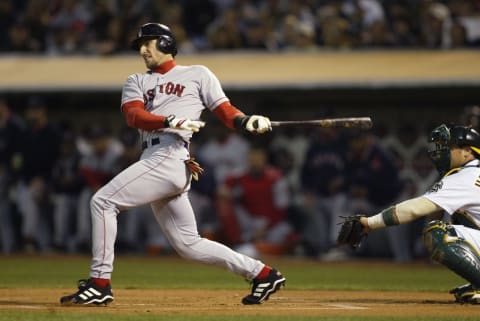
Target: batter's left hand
[258, 124]
[184, 123]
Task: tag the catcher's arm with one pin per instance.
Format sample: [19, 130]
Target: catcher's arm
[355, 228]
[401, 213]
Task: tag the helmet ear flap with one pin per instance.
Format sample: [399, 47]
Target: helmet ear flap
[166, 44]
[465, 136]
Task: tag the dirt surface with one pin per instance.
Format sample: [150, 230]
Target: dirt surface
[222, 302]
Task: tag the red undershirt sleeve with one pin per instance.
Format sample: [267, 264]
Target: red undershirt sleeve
[138, 117]
[227, 113]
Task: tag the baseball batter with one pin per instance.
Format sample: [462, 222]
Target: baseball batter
[456, 154]
[165, 104]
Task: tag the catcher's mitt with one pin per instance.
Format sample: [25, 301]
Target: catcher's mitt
[351, 232]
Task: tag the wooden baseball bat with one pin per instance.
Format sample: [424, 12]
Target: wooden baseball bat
[351, 122]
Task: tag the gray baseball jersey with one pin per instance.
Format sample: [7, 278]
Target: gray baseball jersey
[184, 91]
[160, 178]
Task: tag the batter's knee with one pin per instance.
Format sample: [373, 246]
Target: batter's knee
[185, 247]
[99, 203]
[97, 200]
[183, 250]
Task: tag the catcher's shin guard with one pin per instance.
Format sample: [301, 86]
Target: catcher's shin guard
[455, 253]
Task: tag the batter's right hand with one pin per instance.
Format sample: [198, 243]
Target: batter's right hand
[184, 123]
[258, 124]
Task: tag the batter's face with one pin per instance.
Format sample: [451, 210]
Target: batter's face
[151, 55]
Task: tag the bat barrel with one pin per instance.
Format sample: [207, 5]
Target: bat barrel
[351, 122]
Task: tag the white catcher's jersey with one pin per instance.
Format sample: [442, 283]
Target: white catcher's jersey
[183, 91]
[459, 191]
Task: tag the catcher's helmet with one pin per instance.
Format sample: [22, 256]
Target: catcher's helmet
[165, 40]
[443, 137]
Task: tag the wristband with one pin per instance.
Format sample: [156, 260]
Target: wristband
[390, 216]
[387, 217]
[375, 221]
[240, 122]
[168, 120]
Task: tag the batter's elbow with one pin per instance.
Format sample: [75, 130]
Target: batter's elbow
[130, 118]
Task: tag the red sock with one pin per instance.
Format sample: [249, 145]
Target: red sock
[101, 282]
[264, 272]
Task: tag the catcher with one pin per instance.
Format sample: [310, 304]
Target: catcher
[455, 244]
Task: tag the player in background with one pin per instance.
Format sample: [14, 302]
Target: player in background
[165, 104]
[455, 244]
[12, 129]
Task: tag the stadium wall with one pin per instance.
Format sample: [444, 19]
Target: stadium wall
[390, 86]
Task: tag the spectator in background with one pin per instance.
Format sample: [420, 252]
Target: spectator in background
[272, 12]
[294, 25]
[7, 19]
[98, 165]
[288, 148]
[67, 184]
[335, 31]
[471, 116]
[255, 35]
[324, 183]
[39, 151]
[202, 196]
[68, 28]
[403, 35]
[257, 201]
[131, 13]
[198, 15]
[223, 33]
[104, 29]
[286, 32]
[172, 14]
[11, 132]
[225, 152]
[37, 19]
[371, 170]
[401, 21]
[378, 36]
[436, 25]
[20, 40]
[408, 146]
[373, 183]
[458, 35]
[304, 38]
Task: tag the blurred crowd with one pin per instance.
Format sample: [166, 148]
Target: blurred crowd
[105, 27]
[280, 193]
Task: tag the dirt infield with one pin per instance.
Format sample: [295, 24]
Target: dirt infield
[221, 302]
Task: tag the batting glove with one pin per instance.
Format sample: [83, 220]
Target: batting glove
[258, 124]
[184, 123]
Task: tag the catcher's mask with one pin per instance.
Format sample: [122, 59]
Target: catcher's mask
[165, 40]
[444, 137]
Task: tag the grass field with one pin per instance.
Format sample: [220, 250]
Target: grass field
[168, 288]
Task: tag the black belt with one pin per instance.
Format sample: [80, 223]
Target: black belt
[153, 142]
[156, 141]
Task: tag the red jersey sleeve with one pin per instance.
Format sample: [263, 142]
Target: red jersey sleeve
[227, 113]
[138, 117]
